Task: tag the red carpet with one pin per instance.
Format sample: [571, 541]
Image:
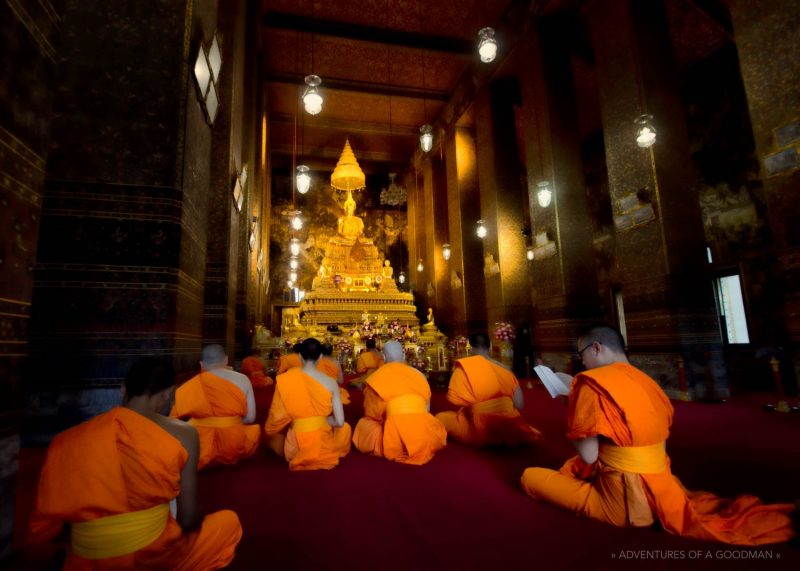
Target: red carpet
[465, 509]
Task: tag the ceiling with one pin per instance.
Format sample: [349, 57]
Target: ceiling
[389, 66]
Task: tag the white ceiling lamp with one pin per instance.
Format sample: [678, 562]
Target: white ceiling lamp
[481, 229]
[297, 222]
[420, 266]
[529, 253]
[402, 277]
[645, 132]
[293, 263]
[446, 252]
[544, 195]
[312, 99]
[294, 247]
[426, 138]
[303, 179]
[292, 276]
[487, 45]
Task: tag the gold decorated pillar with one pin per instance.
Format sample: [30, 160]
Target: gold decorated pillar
[502, 205]
[563, 272]
[659, 253]
[465, 269]
[769, 54]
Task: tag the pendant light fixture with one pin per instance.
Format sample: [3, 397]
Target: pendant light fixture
[446, 252]
[303, 179]
[481, 229]
[487, 45]
[544, 195]
[645, 132]
[312, 99]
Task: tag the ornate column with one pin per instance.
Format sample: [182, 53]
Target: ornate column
[502, 204]
[467, 285]
[563, 272]
[659, 247]
[769, 54]
[28, 42]
[122, 248]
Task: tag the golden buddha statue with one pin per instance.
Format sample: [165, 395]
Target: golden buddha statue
[353, 279]
[350, 226]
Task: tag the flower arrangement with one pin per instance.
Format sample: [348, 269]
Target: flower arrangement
[458, 344]
[343, 346]
[504, 331]
[419, 364]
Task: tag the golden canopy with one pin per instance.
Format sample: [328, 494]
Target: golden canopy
[348, 175]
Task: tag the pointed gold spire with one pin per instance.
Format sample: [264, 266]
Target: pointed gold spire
[348, 175]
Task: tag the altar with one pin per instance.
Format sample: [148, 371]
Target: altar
[353, 277]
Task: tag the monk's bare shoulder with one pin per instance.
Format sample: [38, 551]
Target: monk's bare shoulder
[498, 363]
[184, 432]
[323, 379]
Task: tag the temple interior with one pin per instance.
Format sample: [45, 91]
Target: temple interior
[250, 173]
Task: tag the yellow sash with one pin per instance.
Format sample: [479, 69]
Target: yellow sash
[120, 534]
[500, 404]
[406, 404]
[310, 423]
[636, 459]
[216, 421]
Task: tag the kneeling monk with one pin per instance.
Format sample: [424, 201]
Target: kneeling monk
[255, 370]
[619, 420]
[306, 420]
[219, 402]
[327, 365]
[113, 477]
[397, 423]
[490, 398]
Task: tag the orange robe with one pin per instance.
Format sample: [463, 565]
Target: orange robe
[626, 408]
[120, 462]
[206, 397]
[367, 363]
[487, 415]
[256, 371]
[298, 397]
[329, 367]
[288, 361]
[407, 436]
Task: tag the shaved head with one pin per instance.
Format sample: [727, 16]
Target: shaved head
[213, 355]
[393, 352]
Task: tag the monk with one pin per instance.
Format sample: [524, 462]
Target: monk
[397, 422]
[490, 399]
[330, 367]
[619, 421]
[306, 420]
[255, 370]
[114, 479]
[290, 360]
[367, 363]
[219, 402]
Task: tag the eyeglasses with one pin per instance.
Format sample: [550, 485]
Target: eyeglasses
[580, 352]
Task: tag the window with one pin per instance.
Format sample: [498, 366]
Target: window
[730, 304]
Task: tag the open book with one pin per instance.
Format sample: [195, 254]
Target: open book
[555, 383]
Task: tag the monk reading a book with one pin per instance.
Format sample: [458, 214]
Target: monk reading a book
[490, 398]
[306, 420]
[112, 480]
[619, 421]
[397, 424]
[219, 402]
